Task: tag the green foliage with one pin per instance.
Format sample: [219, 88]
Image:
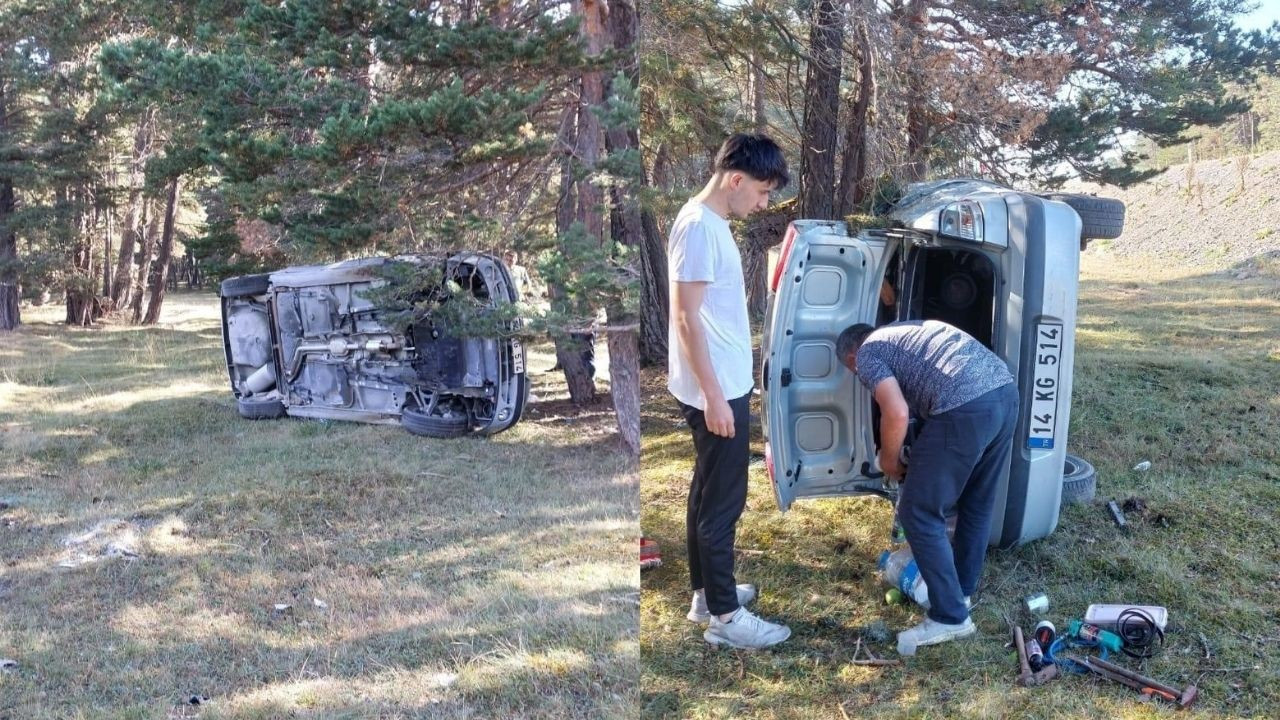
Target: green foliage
[1256, 130]
[1163, 68]
[429, 291]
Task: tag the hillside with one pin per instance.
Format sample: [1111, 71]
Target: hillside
[1198, 215]
[1257, 130]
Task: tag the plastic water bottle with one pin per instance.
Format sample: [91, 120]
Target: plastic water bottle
[899, 569]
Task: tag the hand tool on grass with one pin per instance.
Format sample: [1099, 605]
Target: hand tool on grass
[1144, 685]
[1026, 677]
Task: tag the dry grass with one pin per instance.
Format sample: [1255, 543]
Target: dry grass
[455, 579]
[1173, 366]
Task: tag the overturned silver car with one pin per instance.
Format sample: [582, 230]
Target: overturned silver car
[310, 341]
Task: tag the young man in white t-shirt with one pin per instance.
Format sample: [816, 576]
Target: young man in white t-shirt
[710, 374]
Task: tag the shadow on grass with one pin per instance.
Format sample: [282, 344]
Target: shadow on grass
[473, 577]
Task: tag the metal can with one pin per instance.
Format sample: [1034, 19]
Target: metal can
[1045, 633]
[1036, 603]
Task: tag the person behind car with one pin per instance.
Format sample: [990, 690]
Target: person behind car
[519, 274]
[968, 401]
[710, 375]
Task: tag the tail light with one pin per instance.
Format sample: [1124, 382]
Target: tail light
[962, 220]
[788, 240]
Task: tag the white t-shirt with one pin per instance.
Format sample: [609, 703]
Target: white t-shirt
[701, 249]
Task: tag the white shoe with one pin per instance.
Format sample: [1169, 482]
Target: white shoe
[932, 632]
[698, 611]
[745, 631]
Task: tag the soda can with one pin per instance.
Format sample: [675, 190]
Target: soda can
[1036, 603]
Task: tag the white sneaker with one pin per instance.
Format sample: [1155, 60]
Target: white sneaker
[932, 632]
[745, 631]
[698, 611]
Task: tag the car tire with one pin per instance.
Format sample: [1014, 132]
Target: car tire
[434, 426]
[1079, 481]
[245, 285]
[1100, 218]
[260, 408]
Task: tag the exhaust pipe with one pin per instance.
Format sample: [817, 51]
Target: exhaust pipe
[264, 378]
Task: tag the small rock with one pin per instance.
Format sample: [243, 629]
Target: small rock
[320, 603]
[1143, 466]
[7, 664]
[198, 699]
[281, 608]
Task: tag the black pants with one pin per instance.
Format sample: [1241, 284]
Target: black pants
[717, 495]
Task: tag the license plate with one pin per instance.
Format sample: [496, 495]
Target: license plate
[517, 357]
[1047, 351]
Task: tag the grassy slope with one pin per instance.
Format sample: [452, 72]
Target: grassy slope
[1172, 366]
[469, 578]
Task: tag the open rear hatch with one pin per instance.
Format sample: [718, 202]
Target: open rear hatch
[819, 439]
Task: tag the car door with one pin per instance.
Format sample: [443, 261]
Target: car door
[817, 424]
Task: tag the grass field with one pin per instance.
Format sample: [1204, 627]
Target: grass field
[148, 534]
[1172, 366]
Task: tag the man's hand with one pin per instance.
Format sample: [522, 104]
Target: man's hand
[719, 417]
[894, 416]
[891, 467]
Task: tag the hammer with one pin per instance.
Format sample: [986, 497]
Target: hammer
[1143, 684]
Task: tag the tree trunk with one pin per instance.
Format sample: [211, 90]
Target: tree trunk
[144, 263]
[569, 351]
[10, 316]
[122, 284]
[654, 303]
[917, 165]
[160, 283]
[590, 198]
[83, 306]
[755, 91]
[627, 229]
[821, 108]
[588, 206]
[106, 257]
[763, 231]
[853, 167]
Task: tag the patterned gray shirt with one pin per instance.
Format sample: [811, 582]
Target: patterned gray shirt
[939, 367]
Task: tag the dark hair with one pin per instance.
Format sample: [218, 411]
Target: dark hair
[851, 340]
[756, 155]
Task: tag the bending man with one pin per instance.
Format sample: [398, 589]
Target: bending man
[968, 402]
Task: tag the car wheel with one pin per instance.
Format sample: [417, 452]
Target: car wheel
[1079, 480]
[436, 426]
[260, 408]
[1100, 218]
[245, 285]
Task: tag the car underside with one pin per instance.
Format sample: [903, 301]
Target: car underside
[313, 342]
